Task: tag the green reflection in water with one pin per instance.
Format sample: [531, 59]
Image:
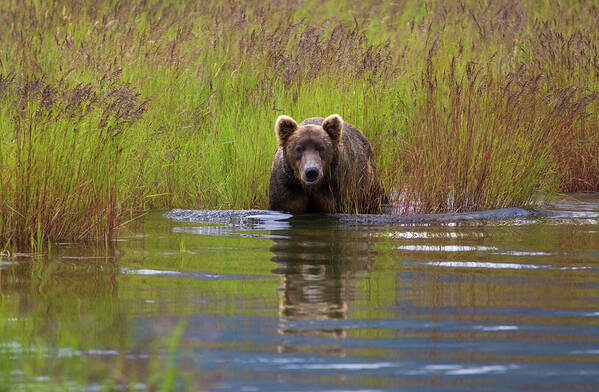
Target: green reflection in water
[311, 304]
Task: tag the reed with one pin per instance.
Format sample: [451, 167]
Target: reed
[111, 109]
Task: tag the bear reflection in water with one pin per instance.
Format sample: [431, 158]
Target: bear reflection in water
[318, 263]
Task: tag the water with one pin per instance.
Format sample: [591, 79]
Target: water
[262, 301]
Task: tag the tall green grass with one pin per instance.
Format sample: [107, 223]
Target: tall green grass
[110, 108]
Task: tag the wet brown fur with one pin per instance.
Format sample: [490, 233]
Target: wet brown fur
[348, 180]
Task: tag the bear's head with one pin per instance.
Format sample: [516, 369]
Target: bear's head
[310, 149]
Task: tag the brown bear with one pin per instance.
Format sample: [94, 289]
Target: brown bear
[323, 165]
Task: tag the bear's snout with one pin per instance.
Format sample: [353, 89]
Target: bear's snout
[312, 173]
[310, 170]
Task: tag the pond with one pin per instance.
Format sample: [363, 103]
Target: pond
[264, 301]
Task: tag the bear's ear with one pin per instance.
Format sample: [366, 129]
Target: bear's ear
[284, 127]
[333, 126]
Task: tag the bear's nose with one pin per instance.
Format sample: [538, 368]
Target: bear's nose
[311, 173]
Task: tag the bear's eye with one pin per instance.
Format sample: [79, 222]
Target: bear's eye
[320, 148]
[299, 149]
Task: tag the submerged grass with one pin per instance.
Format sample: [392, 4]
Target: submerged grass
[110, 108]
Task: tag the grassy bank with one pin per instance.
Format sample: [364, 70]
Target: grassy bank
[111, 108]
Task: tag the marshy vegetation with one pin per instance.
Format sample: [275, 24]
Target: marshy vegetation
[109, 109]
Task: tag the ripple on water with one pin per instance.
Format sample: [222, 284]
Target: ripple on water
[242, 222]
[476, 264]
[187, 274]
[444, 248]
[492, 328]
[226, 231]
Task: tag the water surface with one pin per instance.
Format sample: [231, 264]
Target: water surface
[258, 300]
